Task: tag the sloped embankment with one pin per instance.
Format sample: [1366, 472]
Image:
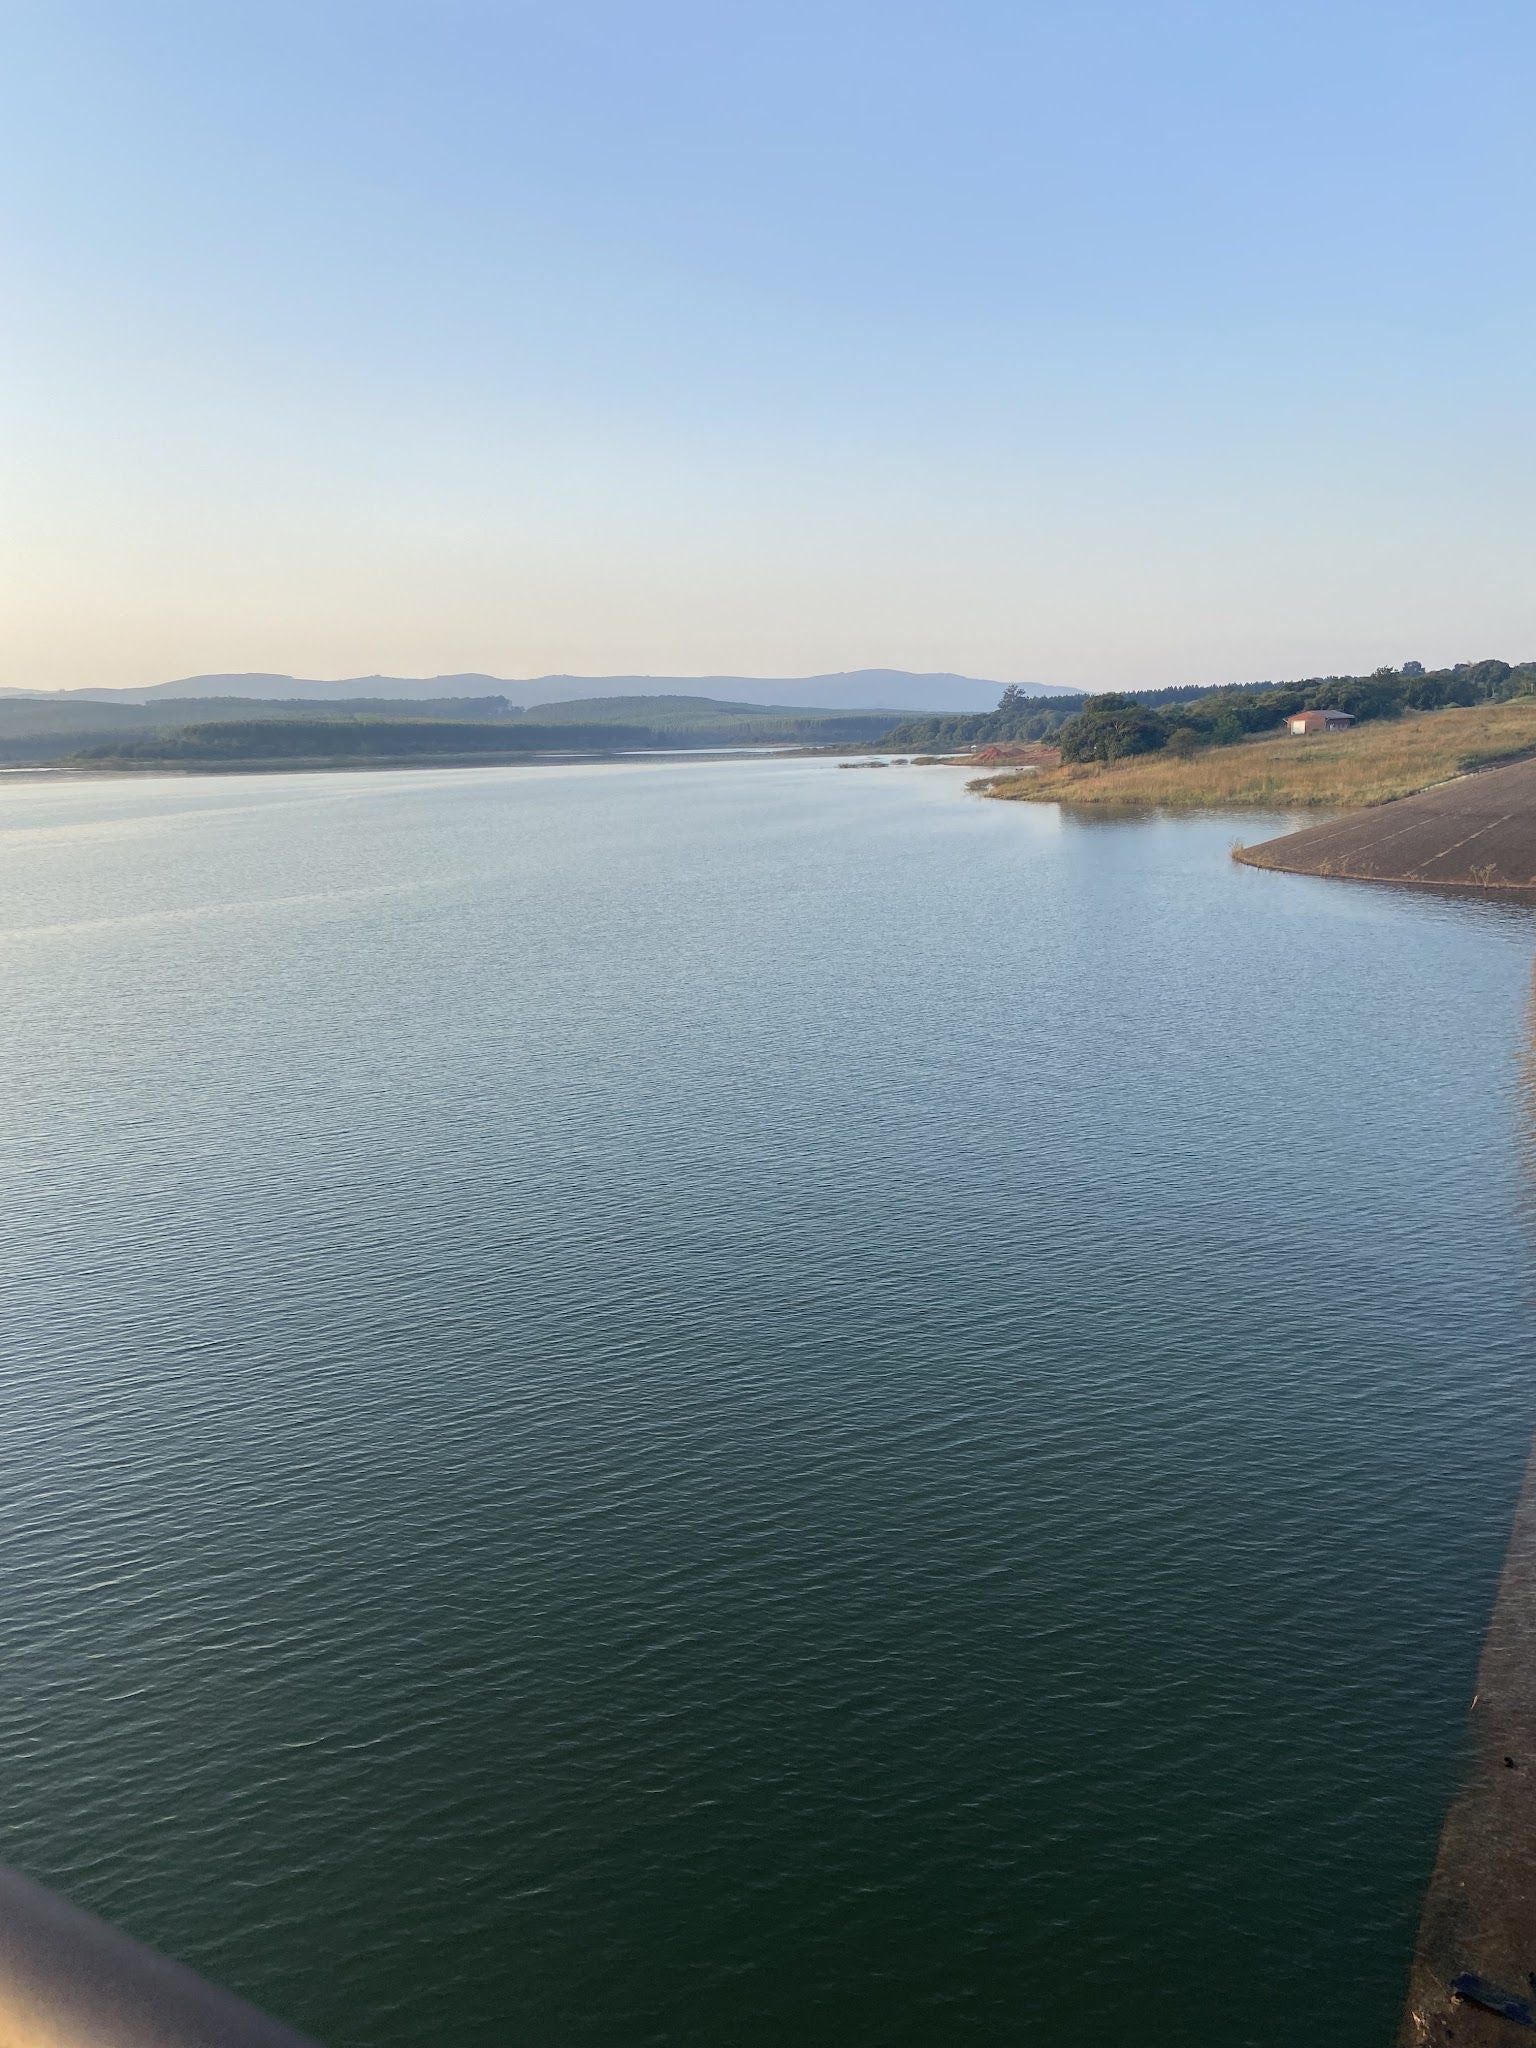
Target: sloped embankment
[1477, 832]
[1472, 1981]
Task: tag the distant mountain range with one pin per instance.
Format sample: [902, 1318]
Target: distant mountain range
[860, 689]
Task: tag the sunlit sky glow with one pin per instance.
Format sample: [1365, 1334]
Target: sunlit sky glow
[1133, 342]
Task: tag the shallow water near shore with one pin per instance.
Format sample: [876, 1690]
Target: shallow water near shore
[697, 1402]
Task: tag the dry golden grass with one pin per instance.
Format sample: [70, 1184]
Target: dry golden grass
[1368, 765]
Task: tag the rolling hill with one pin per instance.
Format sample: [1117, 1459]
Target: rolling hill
[867, 689]
[701, 720]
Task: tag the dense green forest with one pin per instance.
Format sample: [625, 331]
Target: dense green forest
[46, 728]
[1019, 717]
[52, 728]
[348, 739]
[1116, 723]
[25, 717]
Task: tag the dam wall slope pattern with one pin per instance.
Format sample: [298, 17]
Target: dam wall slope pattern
[1477, 832]
[1472, 1977]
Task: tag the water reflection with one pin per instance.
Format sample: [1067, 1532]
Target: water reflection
[739, 1403]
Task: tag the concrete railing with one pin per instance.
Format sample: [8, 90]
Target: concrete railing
[67, 1980]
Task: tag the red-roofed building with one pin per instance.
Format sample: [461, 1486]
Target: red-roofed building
[1305, 722]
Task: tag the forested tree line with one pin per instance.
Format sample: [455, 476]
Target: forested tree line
[1021, 717]
[1115, 723]
[283, 739]
[310, 738]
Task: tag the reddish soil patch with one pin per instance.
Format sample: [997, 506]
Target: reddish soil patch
[1015, 754]
[1478, 832]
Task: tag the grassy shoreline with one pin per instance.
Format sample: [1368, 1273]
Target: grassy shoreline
[1371, 764]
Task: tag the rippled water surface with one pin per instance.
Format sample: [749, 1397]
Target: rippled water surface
[728, 1403]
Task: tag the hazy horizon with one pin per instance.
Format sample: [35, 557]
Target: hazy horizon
[1151, 344]
[894, 690]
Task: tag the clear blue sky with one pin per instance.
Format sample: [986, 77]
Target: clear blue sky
[1093, 343]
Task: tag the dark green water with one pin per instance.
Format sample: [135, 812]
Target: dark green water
[735, 1403]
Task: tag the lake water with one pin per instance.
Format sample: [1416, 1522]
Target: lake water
[736, 1403]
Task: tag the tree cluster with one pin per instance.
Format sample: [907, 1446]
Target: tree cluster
[281, 739]
[1116, 723]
